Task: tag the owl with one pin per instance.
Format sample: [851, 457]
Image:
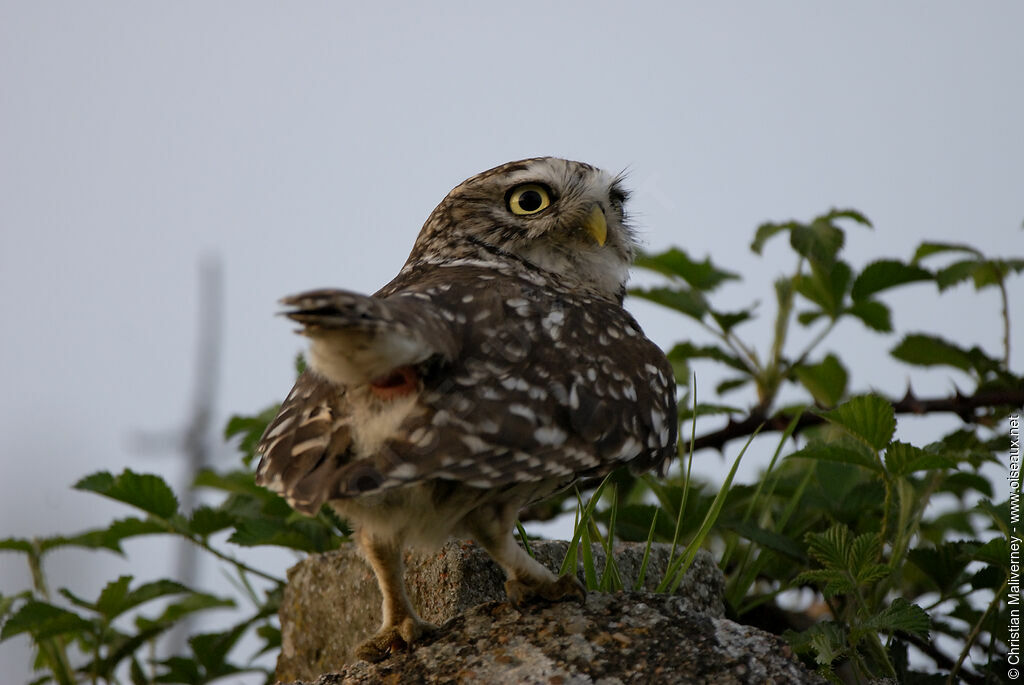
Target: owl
[497, 368]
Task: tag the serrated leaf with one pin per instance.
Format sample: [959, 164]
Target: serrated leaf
[145, 491]
[884, 274]
[901, 616]
[826, 380]
[873, 314]
[839, 452]
[960, 482]
[15, 545]
[995, 552]
[818, 241]
[828, 642]
[766, 231]
[729, 320]
[684, 300]
[687, 350]
[826, 285]
[831, 548]
[864, 552]
[930, 350]
[928, 249]
[730, 384]
[191, 603]
[271, 636]
[868, 417]
[902, 459]
[809, 317]
[769, 539]
[43, 620]
[956, 273]
[116, 597]
[677, 263]
[994, 271]
[250, 429]
[206, 520]
[944, 565]
[707, 409]
[851, 214]
[307, 535]
[211, 650]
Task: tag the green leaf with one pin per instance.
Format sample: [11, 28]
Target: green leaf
[956, 273]
[826, 381]
[728, 385]
[251, 429]
[211, 650]
[809, 317]
[676, 263]
[943, 565]
[819, 241]
[831, 548]
[826, 285]
[875, 315]
[851, 214]
[843, 452]
[902, 459]
[206, 520]
[729, 320]
[43, 620]
[305, 535]
[929, 350]
[768, 539]
[684, 300]
[928, 249]
[116, 598]
[884, 274]
[765, 233]
[16, 545]
[687, 350]
[868, 417]
[995, 552]
[995, 271]
[900, 616]
[145, 491]
[191, 603]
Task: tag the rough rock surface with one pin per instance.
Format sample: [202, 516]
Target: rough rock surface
[332, 604]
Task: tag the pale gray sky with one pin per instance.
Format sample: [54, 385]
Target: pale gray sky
[306, 143]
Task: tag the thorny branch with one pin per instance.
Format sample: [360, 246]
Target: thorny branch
[964, 406]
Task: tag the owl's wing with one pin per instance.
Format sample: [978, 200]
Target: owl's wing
[306, 445]
[524, 385]
[355, 339]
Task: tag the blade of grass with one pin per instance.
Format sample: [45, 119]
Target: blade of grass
[678, 567]
[584, 514]
[639, 584]
[524, 539]
[689, 470]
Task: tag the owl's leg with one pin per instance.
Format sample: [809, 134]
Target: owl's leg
[527, 578]
[401, 627]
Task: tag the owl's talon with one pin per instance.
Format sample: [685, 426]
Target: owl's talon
[397, 638]
[564, 588]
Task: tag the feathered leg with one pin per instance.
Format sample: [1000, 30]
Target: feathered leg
[401, 627]
[527, 578]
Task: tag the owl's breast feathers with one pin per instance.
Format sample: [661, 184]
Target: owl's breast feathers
[517, 378]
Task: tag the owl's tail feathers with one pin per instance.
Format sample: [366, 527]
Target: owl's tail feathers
[360, 339]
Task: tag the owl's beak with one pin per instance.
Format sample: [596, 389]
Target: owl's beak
[596, 225]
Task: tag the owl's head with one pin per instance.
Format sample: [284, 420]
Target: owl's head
[560, 216]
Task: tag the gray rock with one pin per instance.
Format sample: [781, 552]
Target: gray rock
[332, 604]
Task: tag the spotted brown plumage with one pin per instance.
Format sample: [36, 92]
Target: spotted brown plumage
[497, 368]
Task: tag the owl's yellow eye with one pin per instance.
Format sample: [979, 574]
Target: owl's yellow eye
[528, 198]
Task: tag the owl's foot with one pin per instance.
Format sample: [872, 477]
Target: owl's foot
[565, 587]
[397, 638]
